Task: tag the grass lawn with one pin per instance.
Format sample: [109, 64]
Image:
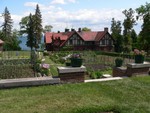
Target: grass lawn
[131, 95]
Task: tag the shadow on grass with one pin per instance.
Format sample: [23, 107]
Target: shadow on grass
[95, 109]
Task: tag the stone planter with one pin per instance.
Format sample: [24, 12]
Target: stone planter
[139, 58]
[71, 74]
[76, 62]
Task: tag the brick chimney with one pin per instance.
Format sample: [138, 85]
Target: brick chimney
[66, 30]
[79, 30]
[106, 29]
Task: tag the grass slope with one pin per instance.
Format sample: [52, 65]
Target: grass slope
[131, 95]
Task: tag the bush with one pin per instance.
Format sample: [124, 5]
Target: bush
[45, 53]
[96, 75]
[118, 62]
[15, 71]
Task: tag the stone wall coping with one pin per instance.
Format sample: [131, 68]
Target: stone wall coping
[69, 69]
[136, 65]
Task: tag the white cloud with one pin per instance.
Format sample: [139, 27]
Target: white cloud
[31, 4]
[63, 1]
[72, 1]
[60, 18]
[58, 2]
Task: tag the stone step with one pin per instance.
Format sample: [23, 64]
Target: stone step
[104, 79]
[25, 82]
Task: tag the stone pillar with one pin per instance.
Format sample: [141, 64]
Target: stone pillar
[137, 69]
[71, 74]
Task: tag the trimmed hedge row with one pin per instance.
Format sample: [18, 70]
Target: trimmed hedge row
[15, 71]
[14, 61]
[125, 55]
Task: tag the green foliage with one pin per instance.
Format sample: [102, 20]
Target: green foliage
[143, 12]
[14, 61]
[15, 68]
[47, 28]
[37, 26]
[116, 34]
[7, 25]
[45, 53]
[128, 24]
[86, 29]
[96, 74]
[15, 71]
[30, 31]
[118, 62]
[32, 25]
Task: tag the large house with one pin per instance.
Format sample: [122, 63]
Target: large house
[79, 40]
[1, 45]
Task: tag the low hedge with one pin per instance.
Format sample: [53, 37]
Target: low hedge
[16, 71]
[14, 61]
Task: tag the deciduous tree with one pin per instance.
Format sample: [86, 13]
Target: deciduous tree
[144, 12]
[128, 24]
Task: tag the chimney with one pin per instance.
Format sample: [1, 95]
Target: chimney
[66, 30]
[106, 29]
[79, 30]
[72, 29]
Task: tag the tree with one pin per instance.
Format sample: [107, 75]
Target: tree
[134, 39]
[47, 28]
[86, 29]
[144, 13]
[7, 25]
[23, 25]
[37, 26]
[116, 34]
[30, 31]
[10, 38]
[128, 24]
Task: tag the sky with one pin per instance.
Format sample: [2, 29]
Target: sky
[61, 14]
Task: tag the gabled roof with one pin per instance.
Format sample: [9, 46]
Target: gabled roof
[63, 36]
[85, 35]
[1, 42]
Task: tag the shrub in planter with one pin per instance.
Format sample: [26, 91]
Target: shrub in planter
[139, 56]
[118, 62]
[76, 60]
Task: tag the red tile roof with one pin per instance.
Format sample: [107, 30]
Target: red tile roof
[63, 36]
[88, 35]
[85, 35]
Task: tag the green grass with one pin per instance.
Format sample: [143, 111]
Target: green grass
[131, 95]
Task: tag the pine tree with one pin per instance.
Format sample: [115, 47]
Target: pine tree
[30, 31]
[7, 29]
[37, 26]
[7, 25]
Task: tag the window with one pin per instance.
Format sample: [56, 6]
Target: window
[103, 42]
[78, 42]
[70, 42]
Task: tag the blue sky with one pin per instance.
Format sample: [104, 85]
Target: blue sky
[61, 14]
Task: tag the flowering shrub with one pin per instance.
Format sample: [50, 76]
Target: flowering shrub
[76, 55]
[45, 69]
[138, 52]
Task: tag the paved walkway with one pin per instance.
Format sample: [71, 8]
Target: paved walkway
[103, 79]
